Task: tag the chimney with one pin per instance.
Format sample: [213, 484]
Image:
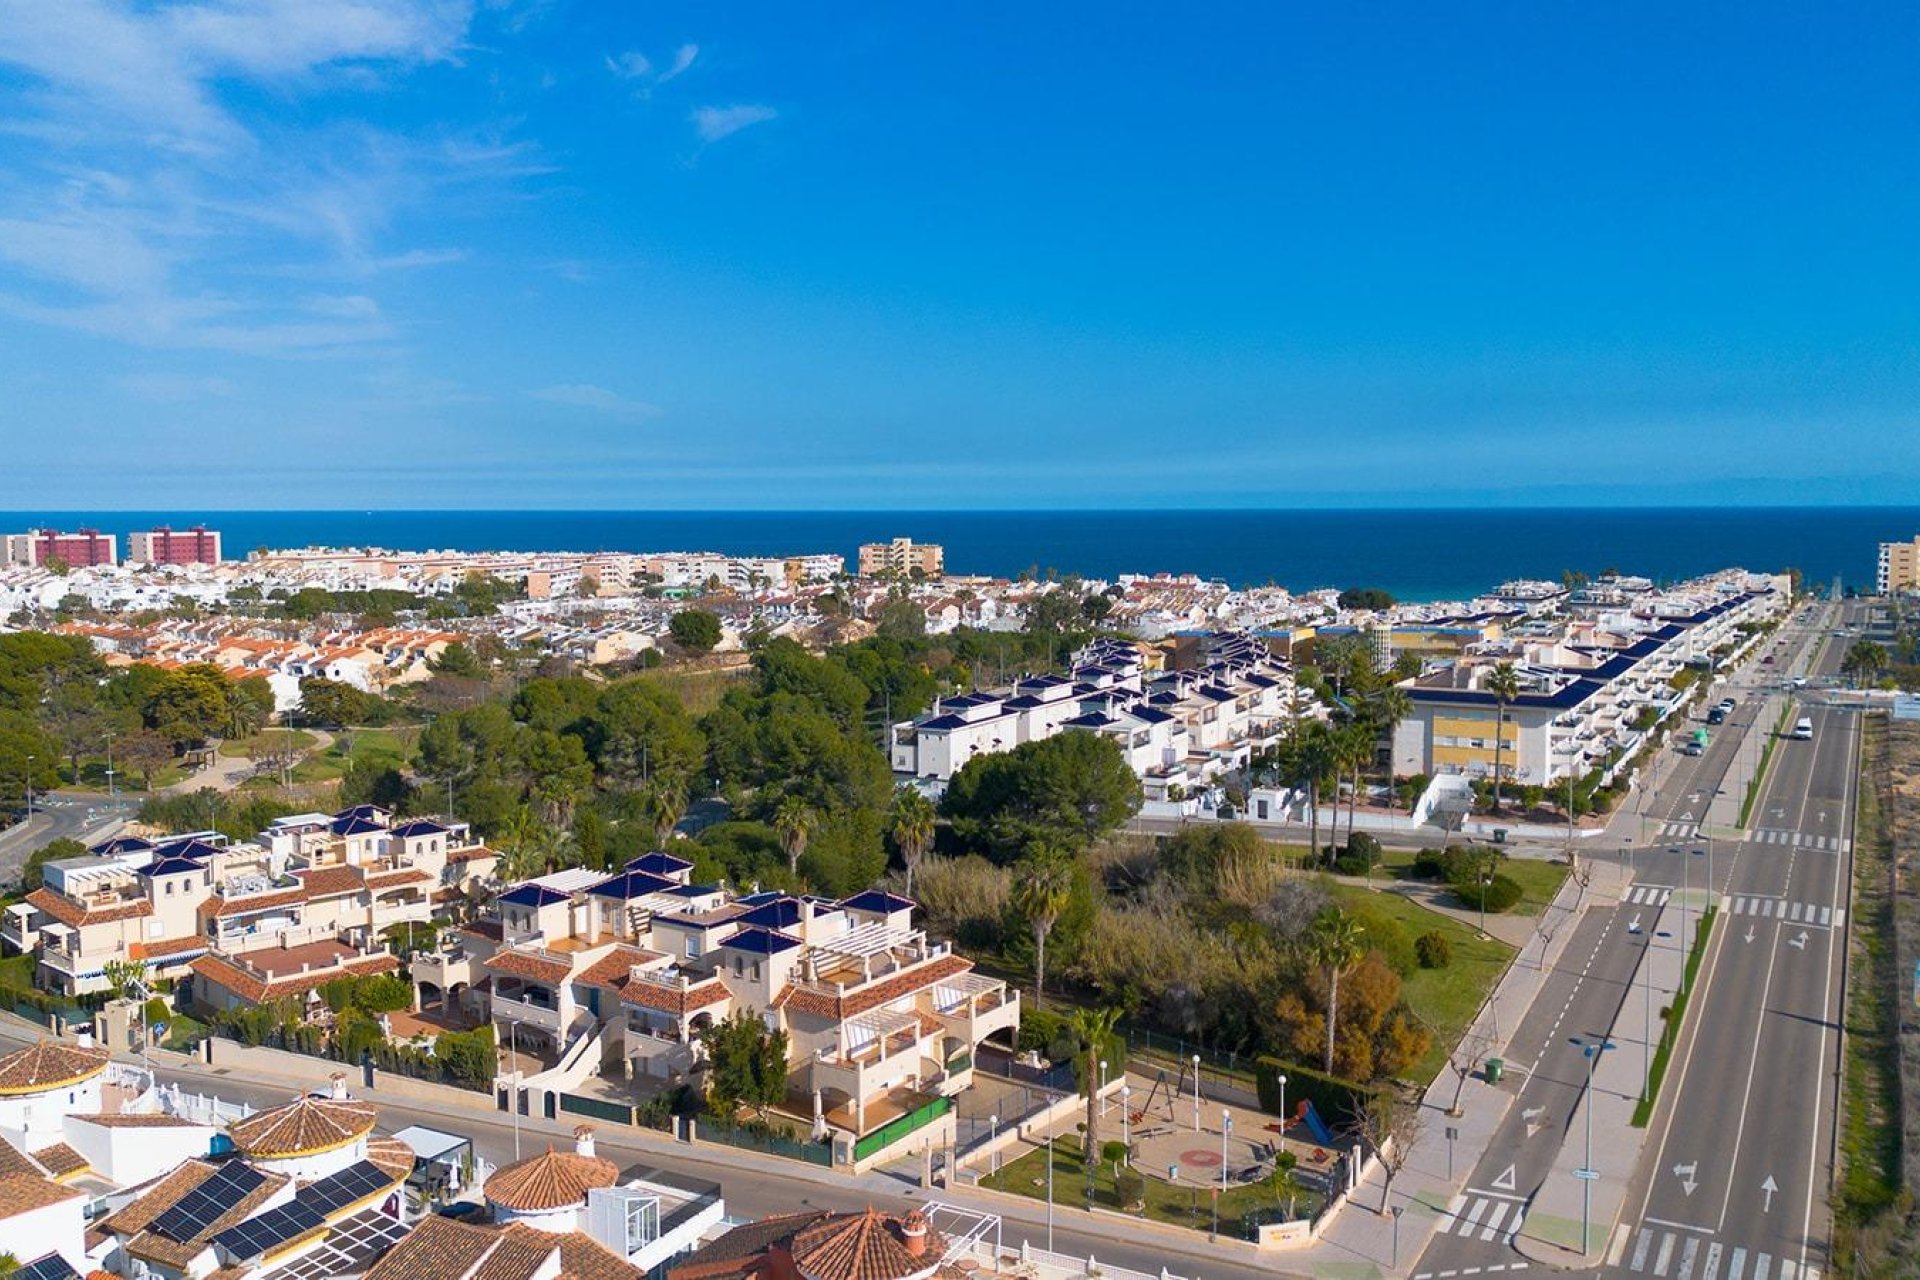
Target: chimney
[84, 1038]
[913, 1233]
[583, 1141]
[337, 1085]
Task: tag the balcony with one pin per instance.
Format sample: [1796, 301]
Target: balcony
[890, 1052]
[971, 1007]
[443, 968]
[529, 1007]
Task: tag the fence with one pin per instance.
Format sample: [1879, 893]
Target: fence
[598, 1108]
[1049, 1264]
[894, 1130]
[765, 1141]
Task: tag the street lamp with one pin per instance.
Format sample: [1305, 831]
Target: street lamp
[1283, 1107]
[1196, 1093]
[29, 788]
[993, 1132]
[111, 798]
[1226, 1129]
[1049, 1193]
[1587, 1174]
[1126, 1119]
[1103, 1087]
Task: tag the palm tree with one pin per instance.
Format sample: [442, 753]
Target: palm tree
[1312, 757]
[1285, 1185]
[1391, 706]
[1503, 682]
[1095, 1029]
[1863, 661]
[794, 822]
[1042, 886]
[1354, 745]
[666, 805]
[1335, 945]
[912, 828]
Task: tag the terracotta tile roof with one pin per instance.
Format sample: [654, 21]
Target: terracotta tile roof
[488, 929]
[864, 1246]
[393, 879]
[836, 1007]
[24, 1192]
[581, 1256]
[60, 1160]
[219, 905]
[438, 1249]
[49, 1064]
[124, 1120]
[550, 1180]
[515, 1256]
[614, 969]
[673, 999]
[253, 988]
[151, 1246]
[74, 915]
[302, 1127]
[741, 1251]
[165, 947]
[329, 882]
[13, 1160]
[528, 964]
[472, 853]
[390, 1155]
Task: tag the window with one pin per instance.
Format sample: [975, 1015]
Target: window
[693, 946]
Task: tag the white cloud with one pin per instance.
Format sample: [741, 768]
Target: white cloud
[583, 395]
[631, 65]
[682, 60]
[715, 123]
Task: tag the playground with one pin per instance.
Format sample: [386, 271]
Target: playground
[1182, 1140]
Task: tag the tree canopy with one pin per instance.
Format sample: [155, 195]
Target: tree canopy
[1073, 787]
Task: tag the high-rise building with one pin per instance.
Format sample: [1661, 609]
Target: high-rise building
[198, 545]
[1899, 568]
[37, 548]
[902, 558]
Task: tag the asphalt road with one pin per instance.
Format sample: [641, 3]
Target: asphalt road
[83, 816]
[1735, 1183]
[1587, 991]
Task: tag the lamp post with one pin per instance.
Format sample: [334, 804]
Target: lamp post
[1103, 1088]
[1049, 1193]
[1397, 1211]
[1196, 1093]
[1226, 1130]
[111, 797]
[1587, 1174]
[29, 788]
[1686, 889]
[993, 1132]
[1283, 1107]
[1126, 1119]
[1486, 882]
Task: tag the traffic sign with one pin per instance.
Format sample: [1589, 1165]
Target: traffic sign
[1587, 1175]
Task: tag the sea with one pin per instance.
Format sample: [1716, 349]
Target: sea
[1417, 555]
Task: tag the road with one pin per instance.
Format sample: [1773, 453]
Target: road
[1587, 991]
[78, 815]
[1739, 1160]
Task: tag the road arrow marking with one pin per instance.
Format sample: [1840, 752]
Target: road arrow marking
[1685, 1173]
[1769, 1186]
[1505, 1181]
[1749, 933]
[1633, 925]
[1799, 942]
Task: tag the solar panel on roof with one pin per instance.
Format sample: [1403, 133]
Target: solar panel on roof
[200, 1208]
[270, 1230]
[349, 1186]
[51, 1267]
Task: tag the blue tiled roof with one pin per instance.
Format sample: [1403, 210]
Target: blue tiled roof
[660, 864]
[532, 895]
[419, 827]
[879, 900]
[169, 866]
[692, 890]
[941, 722]
[198, 849]
[778, 914]
[631, 884]
[373, 811]
[354, 826]
[1150, 715]
[765, 895]
[121, 844]
[761, 942]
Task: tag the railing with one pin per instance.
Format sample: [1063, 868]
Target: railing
[598, 1108]
[512, 1010]
[962, 1061]
[894, 1130]
[820, 1153]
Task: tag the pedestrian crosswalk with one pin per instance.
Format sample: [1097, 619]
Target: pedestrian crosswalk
[1810, 914]
[1798, 840]
[1679, 830]
[1680, 1255]
[1649, 895]
[1484, 1215]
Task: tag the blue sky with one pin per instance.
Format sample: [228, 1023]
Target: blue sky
[408, 253]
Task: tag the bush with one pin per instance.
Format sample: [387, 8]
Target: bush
[1501, 894]
[1339, 1101]
[1433, 950]
[1387, 935]
[1130, 1186]
[1361, 855]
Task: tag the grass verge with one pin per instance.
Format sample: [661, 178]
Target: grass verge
[1241, 1208]
[1671, 1018]
[1539, 880]
[1766, 758]
[266, 743]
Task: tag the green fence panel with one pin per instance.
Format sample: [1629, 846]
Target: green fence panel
[598, 1108]
[899, 1127]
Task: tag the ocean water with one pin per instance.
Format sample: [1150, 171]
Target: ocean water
[1415, 554]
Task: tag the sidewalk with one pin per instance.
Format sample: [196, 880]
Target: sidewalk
[1359, 1244]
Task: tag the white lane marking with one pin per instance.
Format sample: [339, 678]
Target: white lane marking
[1621, 1234]
[1712, 1263]
[1665, 1255]
[1451, 1212]
[1771, 904]
[1793, 912]
[1494, 1220]
[1640, 1250]
[1686, 1258]
[1473, 1216]
[1736, 1263]
[1760, 1264]
[1787, 1270]
[1513, 1228]
[1826, 916]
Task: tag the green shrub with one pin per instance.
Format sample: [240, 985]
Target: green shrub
[1130, 1186]
[1433, 950]
[1339, 1101]
[1499, 895]
[1387, 935]
[1364, 846]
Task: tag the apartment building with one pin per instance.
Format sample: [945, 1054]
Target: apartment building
[902, 558]
[1584, 688]
[1898, 569]
[247, 921]
[198, 545]
[585, 969]
[1179, 727]
[81, 549]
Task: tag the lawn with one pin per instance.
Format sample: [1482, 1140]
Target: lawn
[1444, 999]
[1242, 1208]
[266, 743]
[1538, 879]
[378, 747]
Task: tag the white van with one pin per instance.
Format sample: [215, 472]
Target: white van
[1803, 731]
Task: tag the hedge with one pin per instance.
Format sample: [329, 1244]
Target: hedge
[1499, 895]
[1339, 1101]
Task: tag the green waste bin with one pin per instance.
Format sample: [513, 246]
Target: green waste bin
[1494, 1067]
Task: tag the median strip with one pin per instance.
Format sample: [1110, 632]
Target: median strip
[1766, 757]
[1670, 1020]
